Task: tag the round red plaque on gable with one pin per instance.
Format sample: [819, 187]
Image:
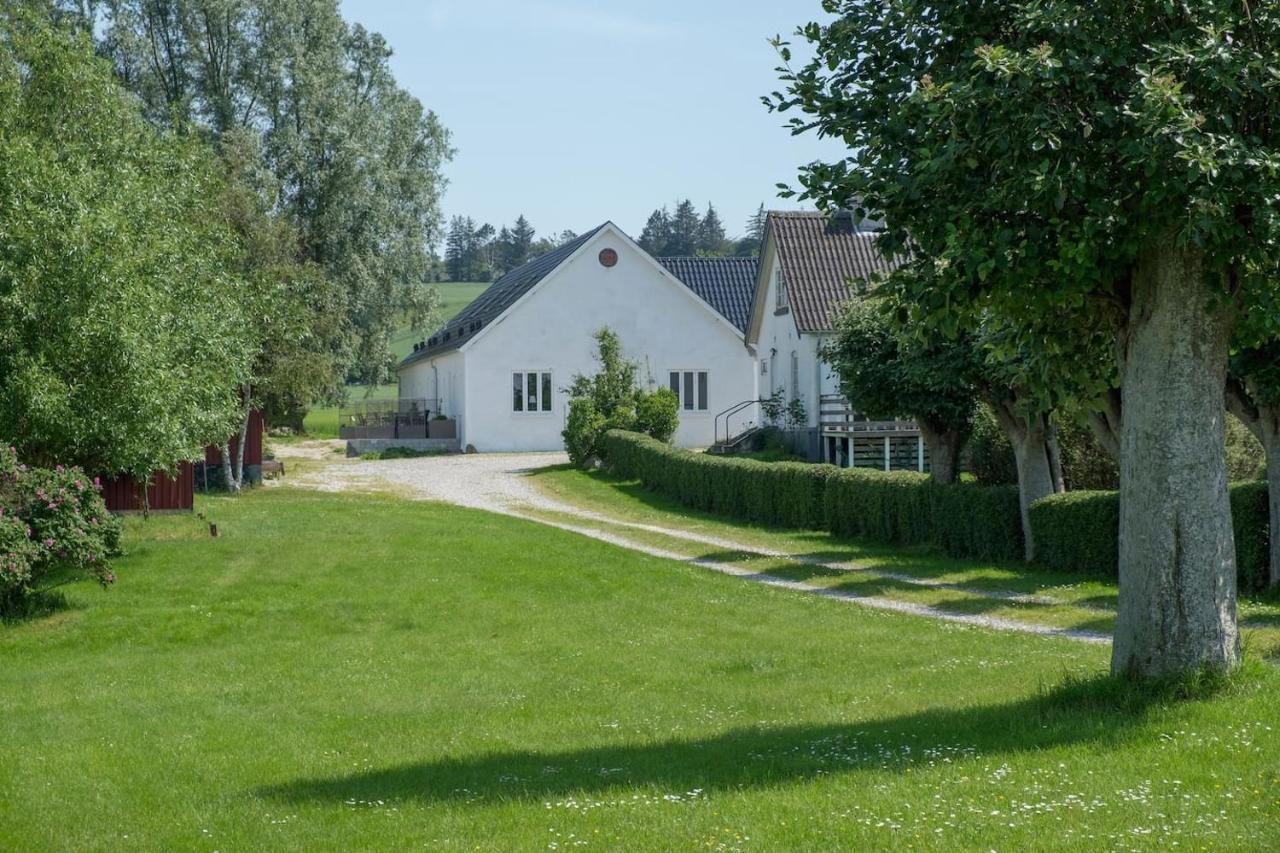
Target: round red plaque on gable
[608, 258]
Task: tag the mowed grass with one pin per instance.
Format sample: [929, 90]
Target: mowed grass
[1055, 599]
[341, 672]
[454, 296]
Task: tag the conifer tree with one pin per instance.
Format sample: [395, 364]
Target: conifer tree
[711, 237]
[657, 233]
[686, 226]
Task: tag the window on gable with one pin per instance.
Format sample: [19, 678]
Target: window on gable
[691, 389]
[784, 299]
[531, 391]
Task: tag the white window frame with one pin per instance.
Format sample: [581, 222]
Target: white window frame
[544, 401]
[696, 380]
[781, 296]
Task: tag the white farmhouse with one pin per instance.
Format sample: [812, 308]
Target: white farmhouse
[809, 263]
[500, 367]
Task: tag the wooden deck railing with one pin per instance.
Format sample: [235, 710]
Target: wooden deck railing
[835, 415]
[404, 418]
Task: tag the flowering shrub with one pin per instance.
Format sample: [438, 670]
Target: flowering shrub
[54, 527]
[17, 554]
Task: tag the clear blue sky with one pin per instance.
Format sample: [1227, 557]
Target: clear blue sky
[577, 111]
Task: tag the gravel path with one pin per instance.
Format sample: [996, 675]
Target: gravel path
[499, 483]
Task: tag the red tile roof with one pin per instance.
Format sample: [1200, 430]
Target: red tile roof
[819, 257]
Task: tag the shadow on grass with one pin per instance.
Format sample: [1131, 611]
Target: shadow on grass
[1101, 711]
[41, 605]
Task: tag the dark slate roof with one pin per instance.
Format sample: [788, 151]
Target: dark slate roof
[820, 255]
[495, 300]
[726, 284]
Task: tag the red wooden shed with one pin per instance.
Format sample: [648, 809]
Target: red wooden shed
[177, 493]
[252, 454]
[163, 494]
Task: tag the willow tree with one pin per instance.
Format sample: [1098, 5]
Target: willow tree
[1072, 166]
[122, 336]
[357, 159]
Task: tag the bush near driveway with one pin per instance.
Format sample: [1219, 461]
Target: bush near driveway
[1076, 531]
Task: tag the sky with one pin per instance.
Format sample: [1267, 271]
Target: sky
[573, 112]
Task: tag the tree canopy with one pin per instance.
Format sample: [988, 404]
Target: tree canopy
[123, 330]
[886, 374]
[1071, 170]
[356, 159]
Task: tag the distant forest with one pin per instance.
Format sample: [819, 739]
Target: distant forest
[479, 252]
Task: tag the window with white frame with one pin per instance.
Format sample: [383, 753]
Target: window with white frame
[783, 298]
[690, 388]
[531, 391]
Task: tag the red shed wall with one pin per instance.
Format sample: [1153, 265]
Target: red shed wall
[165, 494]
[253, 444]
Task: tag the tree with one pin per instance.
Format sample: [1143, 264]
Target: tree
[357, 159]
[757, 224]
[686, 226]
[611, 399]
[656, 235]
[1070, 167]
[294, 312]
[712, 241]
[522, 235]
[1253, 395]
[885, 374]
[749, 245]
[480, 253]
[123, 330]
[457, 246]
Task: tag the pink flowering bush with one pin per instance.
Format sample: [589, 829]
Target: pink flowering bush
[54, 528]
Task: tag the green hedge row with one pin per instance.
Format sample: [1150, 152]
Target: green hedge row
[900, 508]
[1078, 531]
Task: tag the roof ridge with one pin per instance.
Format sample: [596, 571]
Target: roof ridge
[493, 302]
[703, 258]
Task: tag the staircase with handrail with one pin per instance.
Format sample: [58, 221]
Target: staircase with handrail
[727, 441]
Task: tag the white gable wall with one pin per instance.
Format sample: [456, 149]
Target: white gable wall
[659, 322]
[438, 379]
[807, 377]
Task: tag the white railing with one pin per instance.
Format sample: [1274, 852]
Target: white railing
[835, 415]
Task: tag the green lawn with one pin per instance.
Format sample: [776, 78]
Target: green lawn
[343, 672]
[454, 296]
[1060, 600]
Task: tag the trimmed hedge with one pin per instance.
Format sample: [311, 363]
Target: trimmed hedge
[1078, 532]
[899, 508]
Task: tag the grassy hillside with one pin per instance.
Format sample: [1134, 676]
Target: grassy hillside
[316, 678]
[455, 295]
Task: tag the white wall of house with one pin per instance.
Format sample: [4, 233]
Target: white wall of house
[438, 379]
[794, 365]
[660, 323]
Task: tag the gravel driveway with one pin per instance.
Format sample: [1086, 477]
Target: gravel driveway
[491, 481]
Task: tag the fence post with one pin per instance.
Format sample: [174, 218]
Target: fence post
[888, 457]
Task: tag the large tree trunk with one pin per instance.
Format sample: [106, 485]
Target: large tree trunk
[1107, 421]
[944, 450]
[1030, 438]
[1055, 459]
[1177, 553]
